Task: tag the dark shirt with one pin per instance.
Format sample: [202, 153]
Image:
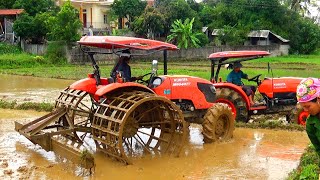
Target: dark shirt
[235, 77]
[313, 131]
[126, 70]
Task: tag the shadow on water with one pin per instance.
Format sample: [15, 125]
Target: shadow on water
[251, 154]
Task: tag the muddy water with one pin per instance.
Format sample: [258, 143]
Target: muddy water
[32, 89]
[252, 154]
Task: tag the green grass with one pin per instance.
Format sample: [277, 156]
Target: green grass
[26, 106]
[309, 166]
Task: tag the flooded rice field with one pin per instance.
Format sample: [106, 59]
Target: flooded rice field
[251, 154]
[31, 89]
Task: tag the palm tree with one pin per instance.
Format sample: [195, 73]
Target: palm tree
[182, 34]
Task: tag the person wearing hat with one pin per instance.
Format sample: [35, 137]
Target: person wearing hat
[235, 77]
[124, 66]
[308, 97]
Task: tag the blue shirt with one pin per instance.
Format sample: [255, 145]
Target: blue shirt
[235, 77]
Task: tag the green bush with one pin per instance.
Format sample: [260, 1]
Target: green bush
[309, 172]
[9, 49]
[203, 39]
[56, 52]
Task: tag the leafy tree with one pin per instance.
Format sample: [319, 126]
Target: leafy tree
[6, 4]
[182, 34]
[233, 35]
[129, 9]
[304, 37]
[151, 22]
[177, 9]
[66, 25]
[33, 29]
[23, 26]
[206, 15]
[33, 7]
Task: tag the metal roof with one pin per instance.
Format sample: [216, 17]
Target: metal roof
[10, 11]
[256, 33]
[265, 34]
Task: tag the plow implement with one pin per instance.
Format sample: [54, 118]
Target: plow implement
[124, 126]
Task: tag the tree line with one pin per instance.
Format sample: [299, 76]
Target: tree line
[178, 21]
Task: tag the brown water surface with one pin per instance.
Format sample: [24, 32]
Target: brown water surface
[252, 154]
[32, 89]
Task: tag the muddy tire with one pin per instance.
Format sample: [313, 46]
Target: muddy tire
[218, 123]
[298, 116]
[234, 100]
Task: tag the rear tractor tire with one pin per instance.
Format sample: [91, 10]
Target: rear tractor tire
[235, 102]
[218, 123]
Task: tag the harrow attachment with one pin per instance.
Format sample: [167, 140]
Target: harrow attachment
[123, 126]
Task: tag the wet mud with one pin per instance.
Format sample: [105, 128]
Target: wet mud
[251, 154]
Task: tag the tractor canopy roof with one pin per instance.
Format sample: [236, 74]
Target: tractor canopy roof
[122, 42]
[230, 57]
[238, 54]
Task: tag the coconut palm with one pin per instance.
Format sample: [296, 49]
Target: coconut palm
[182, 34]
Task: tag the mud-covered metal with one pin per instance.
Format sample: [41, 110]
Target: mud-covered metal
[134, 123]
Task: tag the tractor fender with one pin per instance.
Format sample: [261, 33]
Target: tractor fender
[88, 85]
[236, 88]
[128, 86]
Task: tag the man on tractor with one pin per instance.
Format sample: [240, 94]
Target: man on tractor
[235, 77]
[124, 67]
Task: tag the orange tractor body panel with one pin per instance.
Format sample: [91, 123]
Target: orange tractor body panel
[189, 88]
[272, 86]
[88, 84]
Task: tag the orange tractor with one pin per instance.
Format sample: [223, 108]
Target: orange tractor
[129, 119]
[278, 94]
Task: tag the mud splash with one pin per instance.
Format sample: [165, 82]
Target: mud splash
[252, 154]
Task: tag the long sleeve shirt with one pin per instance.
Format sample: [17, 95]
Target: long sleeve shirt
[313, 131]
[126, 70]
[235, 77]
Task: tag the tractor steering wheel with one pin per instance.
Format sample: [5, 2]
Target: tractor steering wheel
[255, 78]
[142, 81]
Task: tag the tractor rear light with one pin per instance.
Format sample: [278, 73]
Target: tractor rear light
[90, 75]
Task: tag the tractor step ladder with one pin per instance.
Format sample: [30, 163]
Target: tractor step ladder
[50, 141]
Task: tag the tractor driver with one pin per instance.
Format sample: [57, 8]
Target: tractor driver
[124, 66]
[235, 77]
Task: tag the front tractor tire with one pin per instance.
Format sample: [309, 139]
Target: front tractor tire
[235, 101]
[218, 124]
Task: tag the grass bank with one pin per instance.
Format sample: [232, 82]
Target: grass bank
[26, 106]
[309, 166]
[25, 64]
